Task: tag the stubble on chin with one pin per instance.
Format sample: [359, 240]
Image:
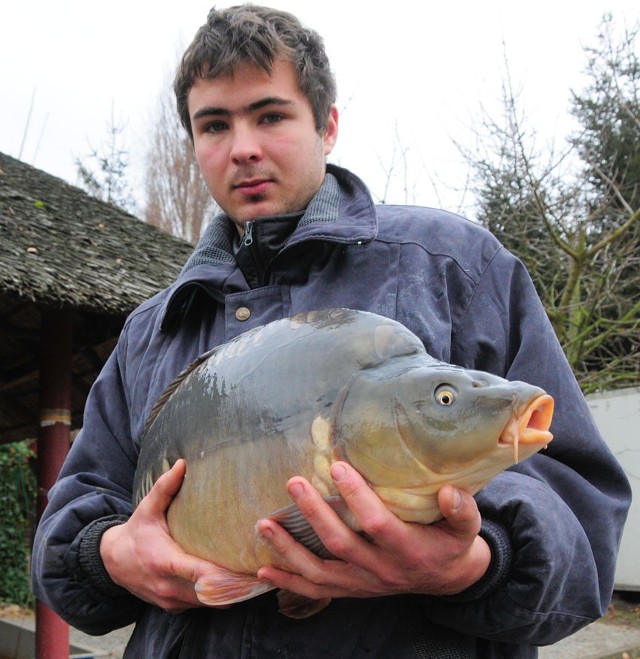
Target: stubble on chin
[239, 224]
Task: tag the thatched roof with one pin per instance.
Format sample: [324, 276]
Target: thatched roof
[63, 249]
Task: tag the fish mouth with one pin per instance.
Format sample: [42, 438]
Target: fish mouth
[530, 426]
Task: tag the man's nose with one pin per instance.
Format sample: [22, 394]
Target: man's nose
[246, 145]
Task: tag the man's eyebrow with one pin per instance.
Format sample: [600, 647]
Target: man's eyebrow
[252, 107]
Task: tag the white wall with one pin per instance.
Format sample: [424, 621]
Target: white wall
[617, 414]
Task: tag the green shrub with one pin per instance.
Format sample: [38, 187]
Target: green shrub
[17, 515]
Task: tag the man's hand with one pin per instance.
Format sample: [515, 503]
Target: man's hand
[141, 556]
[443, 558]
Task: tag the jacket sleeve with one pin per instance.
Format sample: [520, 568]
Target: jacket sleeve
[563, 509]
[93, 491]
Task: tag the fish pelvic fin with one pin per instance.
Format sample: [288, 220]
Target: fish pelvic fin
[223, 587]
[298, 606]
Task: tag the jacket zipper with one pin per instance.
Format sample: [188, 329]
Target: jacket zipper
[248, 232]
[255, 252]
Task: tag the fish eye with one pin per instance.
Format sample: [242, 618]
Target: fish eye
[445, 396]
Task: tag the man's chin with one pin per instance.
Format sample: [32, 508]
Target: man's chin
[255, 209]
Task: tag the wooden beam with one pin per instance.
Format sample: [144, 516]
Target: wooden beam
[52, 633]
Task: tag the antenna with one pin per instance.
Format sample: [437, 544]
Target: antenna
[35, 153]
[26, 128]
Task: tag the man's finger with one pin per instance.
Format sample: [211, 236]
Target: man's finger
[373, 517]
[165, 488]
[460, 510]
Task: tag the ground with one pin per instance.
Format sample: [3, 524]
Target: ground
[625, 609]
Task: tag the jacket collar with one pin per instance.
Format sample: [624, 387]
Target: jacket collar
[342, 212]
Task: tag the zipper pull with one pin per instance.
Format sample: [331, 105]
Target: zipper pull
[248, 232]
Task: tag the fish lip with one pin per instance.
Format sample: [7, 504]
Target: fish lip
[529, 425]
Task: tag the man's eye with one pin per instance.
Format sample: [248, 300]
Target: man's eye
[215, 127]
[272, 118]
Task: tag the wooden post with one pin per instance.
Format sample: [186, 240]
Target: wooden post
[52, 633]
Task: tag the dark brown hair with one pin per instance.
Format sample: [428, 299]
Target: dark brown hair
[257, 35]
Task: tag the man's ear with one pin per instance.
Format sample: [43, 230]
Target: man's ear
[331, 132]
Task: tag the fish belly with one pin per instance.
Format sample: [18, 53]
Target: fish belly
[227, 490]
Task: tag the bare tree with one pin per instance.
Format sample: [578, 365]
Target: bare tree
[177, 198]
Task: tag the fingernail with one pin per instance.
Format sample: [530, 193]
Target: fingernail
[261, 576]
[266, 533]
[338, 473]
[295, 489]
[457, 498]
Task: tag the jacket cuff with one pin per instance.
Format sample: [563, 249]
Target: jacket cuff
[90, 559]
[496, 536]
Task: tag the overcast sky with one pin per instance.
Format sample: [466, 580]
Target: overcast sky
[418, 70]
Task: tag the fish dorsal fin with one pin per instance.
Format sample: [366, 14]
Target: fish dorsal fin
[168, 392]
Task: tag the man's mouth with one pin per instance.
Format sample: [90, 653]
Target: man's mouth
[253, 187]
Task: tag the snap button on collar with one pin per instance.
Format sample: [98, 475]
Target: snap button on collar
[243, 313]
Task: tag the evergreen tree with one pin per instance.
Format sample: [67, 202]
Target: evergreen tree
[103, 173]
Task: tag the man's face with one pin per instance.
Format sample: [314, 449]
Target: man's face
[256, 142]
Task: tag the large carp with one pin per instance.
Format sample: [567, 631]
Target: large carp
[293, 396]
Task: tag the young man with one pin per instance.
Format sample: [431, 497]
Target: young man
[526, 562]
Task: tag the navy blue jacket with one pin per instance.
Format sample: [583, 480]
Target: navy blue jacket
[553, 522]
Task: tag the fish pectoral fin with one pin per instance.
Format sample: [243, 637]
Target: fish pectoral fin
[294, 522]
[298, 606]
[223, 587]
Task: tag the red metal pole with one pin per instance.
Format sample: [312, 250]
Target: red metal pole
[52, 633]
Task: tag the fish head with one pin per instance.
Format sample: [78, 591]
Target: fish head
[440, 422]
[462, 415]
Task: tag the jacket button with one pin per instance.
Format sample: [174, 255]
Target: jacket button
[243, 313]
